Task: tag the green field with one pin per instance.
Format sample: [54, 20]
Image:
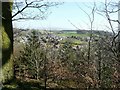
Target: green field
[73, 34]
[73, 41]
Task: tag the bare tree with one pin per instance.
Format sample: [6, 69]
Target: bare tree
[31, 9]
[114, 43]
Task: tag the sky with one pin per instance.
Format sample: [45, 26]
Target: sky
[70, 15]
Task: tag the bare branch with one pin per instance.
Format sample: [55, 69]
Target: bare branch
[22, 9]
[73, 24]
[34, 4]
[38, 6]
[112, 11]
[26, 2]
[108, 17]
[115, 21]
[84, 12]
[2, 17]
[18, 8]
[27, 18]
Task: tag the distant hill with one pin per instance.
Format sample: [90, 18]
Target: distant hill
[98, 32]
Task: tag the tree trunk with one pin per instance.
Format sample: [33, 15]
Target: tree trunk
[119, 29]
[7, 42]
[118, 63]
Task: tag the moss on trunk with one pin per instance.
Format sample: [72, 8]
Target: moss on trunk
[7, 42]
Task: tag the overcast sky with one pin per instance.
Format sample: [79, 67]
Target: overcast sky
[70, 12]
